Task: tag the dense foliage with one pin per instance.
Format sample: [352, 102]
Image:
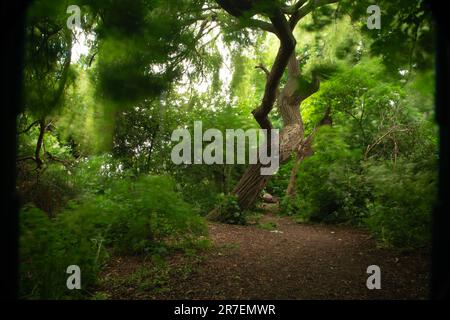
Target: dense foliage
[376, 169]
[101, 102]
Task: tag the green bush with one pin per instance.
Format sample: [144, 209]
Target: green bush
[47, 248]
[329, 187]
[150, 213]
[131, 216]
[136, 215]
[279, 182]
[393, 200]
[228, 211]
[95, 174]
[400, 214]
[198, 188]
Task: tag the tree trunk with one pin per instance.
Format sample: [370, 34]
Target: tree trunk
[252, 182]
[250, 185]
[37, 153]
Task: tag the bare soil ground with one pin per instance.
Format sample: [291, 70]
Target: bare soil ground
[291, 261]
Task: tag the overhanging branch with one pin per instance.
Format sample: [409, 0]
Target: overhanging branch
[294, 8]
[306, 9]
[258, 24]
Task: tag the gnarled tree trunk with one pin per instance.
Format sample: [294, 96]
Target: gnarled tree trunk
[292, 138]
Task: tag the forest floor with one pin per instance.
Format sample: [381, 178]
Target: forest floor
[274, 258]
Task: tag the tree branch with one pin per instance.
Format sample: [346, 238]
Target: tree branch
[235, 8]
[64, 162]
[28, 128]
[25, 158]
[378, 141]
[263, 68]
[258, 24]
[294, 8]
[287, 46]
[306, 9]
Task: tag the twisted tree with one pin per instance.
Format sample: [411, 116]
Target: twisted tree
[283, 19]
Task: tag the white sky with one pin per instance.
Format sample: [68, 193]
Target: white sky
[80, 46]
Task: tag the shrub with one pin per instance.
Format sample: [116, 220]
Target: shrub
[393, 200]
[400, 214]
[130, 216]
[136, 215]
[150, 213]
[228, 211]
[329, 187]
[278, 183]
[47, 248]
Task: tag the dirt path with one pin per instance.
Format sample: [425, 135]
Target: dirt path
[292, 261]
